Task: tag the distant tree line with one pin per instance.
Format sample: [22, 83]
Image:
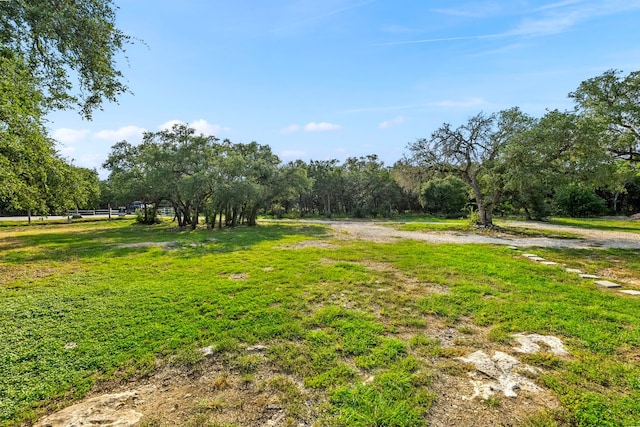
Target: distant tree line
[576, 163]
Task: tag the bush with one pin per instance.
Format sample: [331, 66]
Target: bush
[147, 216]
[577, 201]
[444, 196]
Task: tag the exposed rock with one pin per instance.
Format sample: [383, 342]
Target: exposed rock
[500, 369]
[108, 410]
[207, 351]
[607, 284]
[630, 292]
[529, 344]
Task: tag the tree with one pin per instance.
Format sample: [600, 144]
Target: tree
[291, 186]
[576, 200]
[444, 196]
[328, 183]
[554, 151]
[369, 188]
[24, 146]
[59, 39]
[470, 151]
[33, 177]
[410, 176]
[42, 45]
[615, 101]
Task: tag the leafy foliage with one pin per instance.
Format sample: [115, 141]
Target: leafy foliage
[471, 152]
[61, 39]
[614, 100]
[577, 201]
[446, 196]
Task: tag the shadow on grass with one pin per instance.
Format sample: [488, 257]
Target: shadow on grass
[83, 241]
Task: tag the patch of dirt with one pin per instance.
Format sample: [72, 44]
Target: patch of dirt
[309, 244]
[23, 272]
[27, 272]
[490, 386]
[209, 395]
[451, 410]
[164, 245]
[623, 276]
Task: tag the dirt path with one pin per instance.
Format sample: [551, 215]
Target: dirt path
[379, 232]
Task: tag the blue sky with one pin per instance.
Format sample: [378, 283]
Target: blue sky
[330, 79]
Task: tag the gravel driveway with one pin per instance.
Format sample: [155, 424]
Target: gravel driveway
[375, 231]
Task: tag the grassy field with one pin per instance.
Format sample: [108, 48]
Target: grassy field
[347, 324]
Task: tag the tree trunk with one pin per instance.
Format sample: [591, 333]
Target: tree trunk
[253, 215]
[196, 213]
[485, 213]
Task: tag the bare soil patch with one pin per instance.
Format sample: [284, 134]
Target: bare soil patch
[210, 394]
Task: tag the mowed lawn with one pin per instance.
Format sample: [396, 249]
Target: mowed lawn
[348, 319]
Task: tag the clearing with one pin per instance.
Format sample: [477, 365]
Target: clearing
[315, 323]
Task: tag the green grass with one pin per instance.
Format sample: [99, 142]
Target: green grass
[84, 302]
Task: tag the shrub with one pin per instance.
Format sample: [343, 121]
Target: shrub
[444, 196]
[577, 201]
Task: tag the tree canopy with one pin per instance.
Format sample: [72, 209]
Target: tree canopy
[614, 100]
[471, 151]
[53, 55]
[70, 48]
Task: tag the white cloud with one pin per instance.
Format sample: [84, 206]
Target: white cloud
[321, 127]
[70, 136]
[91, 161]
[290, 129]
[558, 5]
[292, 154]
[168, 125]
[201, 126]
[393, 122]
[474, 9]
[399, 29]
[547, 20]
[121, 133]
